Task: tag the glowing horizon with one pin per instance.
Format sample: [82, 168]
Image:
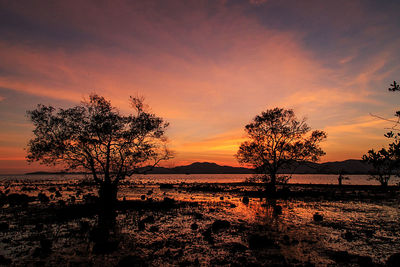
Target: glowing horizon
[207, 67]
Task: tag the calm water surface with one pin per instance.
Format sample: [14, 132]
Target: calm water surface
[372, 223]
[205, 178]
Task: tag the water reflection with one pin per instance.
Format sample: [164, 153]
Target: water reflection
[369, 227]
[198, 178]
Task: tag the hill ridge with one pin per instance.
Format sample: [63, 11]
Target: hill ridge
[349, 166]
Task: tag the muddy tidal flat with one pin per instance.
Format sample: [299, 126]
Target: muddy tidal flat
[50, 223]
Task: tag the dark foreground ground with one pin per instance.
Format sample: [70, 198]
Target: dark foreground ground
[50, 224]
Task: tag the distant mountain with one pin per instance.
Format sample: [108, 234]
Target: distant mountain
[208, 167]
[350, 166]
[56, 173]
[200, 168]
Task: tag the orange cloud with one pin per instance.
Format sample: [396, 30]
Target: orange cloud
[354, 139]
[208, 68]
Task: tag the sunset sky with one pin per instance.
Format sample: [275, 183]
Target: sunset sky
[207, 67]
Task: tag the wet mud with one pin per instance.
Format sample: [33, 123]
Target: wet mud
[49, 223]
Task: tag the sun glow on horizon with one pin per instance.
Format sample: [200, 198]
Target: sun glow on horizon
[206, 67]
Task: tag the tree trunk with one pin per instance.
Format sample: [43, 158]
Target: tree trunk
[271, 186]
[383, 180]
[106, 216]
[273, 179]
[108, 198]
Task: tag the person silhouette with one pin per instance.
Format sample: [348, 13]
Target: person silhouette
[341, 178]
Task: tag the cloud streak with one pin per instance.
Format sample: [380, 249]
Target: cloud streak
[208, 67]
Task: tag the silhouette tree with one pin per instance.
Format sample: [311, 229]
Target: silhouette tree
[278, 139]
[96, 137]
[385, 163]
[393, 88]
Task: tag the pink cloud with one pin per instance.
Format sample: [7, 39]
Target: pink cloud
[207, 69]
[257, 2]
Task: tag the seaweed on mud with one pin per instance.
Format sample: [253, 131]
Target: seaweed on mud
[178, 228]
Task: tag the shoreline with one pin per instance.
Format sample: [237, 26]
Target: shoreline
[185, 224]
